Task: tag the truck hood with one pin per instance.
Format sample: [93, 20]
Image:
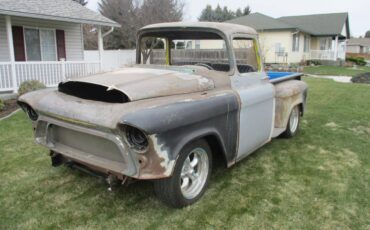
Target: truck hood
[140, 83]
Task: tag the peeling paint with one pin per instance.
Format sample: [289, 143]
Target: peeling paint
[166, 163]
[172, 106]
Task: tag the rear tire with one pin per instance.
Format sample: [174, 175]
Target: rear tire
[293, 123]
[190, 176]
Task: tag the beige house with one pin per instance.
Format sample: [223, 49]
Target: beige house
[358, 45]
[297, 38]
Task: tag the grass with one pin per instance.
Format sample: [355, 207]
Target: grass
[336, 70]
[319, 179]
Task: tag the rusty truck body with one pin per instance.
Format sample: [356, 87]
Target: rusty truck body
[197, 92]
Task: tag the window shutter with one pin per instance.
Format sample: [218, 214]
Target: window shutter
[18, 43]
[61, 44]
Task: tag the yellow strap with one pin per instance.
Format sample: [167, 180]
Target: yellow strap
[256, 49]
[168, 48]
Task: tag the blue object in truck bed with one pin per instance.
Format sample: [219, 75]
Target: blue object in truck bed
[283, 76]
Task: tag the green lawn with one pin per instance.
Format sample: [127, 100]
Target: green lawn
[336, 70]
[319, 179]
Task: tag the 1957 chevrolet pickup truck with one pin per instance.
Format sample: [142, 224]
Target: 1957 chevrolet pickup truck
[198, 92]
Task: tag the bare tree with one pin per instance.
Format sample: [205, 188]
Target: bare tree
[126, 13]
[156, 11]
[134, 14]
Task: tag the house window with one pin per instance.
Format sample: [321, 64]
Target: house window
[48, 45]
[279, 49]
[295, 47]
[32, 41]
[189, 45]
[307, 41]
[33, 44]
[40, 44]
[325, 43]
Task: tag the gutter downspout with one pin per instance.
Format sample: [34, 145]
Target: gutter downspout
[109, 31]
[100, 44]
[293, 33]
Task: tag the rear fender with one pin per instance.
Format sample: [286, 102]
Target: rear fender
[288, 95]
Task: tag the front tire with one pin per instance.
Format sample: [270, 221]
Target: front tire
[293, 123]
[190, 176]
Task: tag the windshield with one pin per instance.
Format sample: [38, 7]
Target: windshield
[186, 49]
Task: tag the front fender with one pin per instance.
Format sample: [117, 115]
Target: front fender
[171, 127]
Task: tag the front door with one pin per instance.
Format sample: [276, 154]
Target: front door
[256, 112]
[256, 93]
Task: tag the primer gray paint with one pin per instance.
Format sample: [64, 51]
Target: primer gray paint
[256, 111]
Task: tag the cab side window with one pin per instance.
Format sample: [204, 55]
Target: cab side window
[245, 55]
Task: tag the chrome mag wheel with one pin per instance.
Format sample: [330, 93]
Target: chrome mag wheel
[294, 120]
[194, 173]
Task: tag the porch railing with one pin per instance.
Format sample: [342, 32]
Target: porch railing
[322, 55]
[49, 73]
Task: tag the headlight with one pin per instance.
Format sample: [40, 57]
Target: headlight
[29, 111]
[136, 138]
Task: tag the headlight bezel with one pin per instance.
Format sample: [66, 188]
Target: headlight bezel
[135, 138]
[31, 113]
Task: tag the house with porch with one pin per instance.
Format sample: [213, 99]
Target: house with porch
[43, 40]
[294, 39]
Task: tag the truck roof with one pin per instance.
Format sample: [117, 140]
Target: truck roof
[226, 28]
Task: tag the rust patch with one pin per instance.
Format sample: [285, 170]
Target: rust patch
[288, 95]
[157, 163]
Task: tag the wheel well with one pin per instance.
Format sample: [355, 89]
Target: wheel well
[218, 153]
[301, 109]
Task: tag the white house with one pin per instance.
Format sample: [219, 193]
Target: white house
[43, 40]
[297, 38]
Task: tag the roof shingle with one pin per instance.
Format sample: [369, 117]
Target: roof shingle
[318, 24]
[60, 10]
[261, 22]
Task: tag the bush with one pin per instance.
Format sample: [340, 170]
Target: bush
[313, 62]
[29, 86]
[357, 60]
[361, 78]
[2, 105]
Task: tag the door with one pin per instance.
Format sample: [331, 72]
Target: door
[256, 93]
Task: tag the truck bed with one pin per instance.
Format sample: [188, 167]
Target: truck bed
[276, 77]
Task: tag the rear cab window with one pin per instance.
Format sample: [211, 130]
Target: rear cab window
[245, 51]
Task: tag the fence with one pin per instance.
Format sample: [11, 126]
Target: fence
[322, 55]
[219, 56]
[52, 72]
[112, 59]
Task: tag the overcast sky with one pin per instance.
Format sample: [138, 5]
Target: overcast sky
[359, 10]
